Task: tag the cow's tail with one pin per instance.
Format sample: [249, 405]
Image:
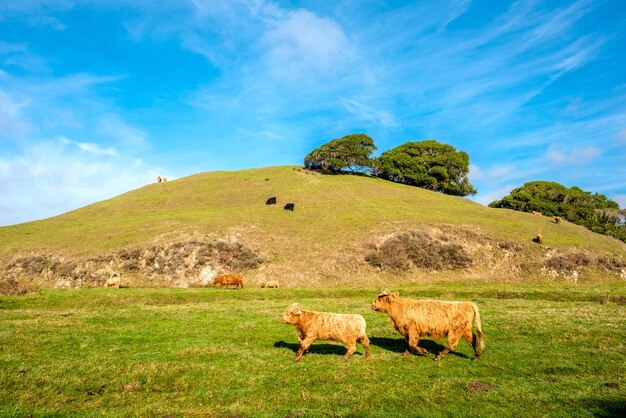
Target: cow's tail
[480, 337]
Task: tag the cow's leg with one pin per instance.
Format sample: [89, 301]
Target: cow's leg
[470, 337]
[304, 345]
[413, 343]
[365, 342]
[453, 341]
[351, 346]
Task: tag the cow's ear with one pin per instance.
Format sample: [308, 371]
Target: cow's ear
[295, 309]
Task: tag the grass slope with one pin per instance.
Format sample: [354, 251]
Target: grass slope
[551, 351]
[321, 242]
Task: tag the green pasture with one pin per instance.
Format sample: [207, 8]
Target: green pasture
[555, 350]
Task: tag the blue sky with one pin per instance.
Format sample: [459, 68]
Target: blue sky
[99, 97]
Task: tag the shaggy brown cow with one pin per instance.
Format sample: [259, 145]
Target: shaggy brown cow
[416, 318]
[535, 213]
[158, 179]
[557, 219]
[538, 239]
[344, 328]
[229, 280]
[270, 284]
[112, 282]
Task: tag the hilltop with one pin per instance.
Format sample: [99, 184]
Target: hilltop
[167, 234]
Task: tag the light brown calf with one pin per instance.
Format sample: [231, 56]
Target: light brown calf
[344, 328]
[229, 280]
[270, 284]
[113, 282]
[416, 318]
[164, 179]
[535, 213]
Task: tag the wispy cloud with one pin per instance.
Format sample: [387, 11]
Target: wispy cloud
[90, 147]
[562, 154]
[369, 113]
[304, 44]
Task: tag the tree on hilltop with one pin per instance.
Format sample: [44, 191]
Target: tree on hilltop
[351, 153]
[427, 164]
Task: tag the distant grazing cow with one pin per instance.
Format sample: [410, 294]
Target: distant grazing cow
[344, 328]
[158, 179]
[112, 282]
[289, 206]
[270, 284]
[271, 201]
[557, 219]
[416, 318]
[538, 239]
[535, 213]
[164, 179]
[229, 280]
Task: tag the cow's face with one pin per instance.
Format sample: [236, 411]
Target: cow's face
[292, 314]
[383, 302]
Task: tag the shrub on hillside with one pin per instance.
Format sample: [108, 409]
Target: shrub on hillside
[591, 210]
[418, 249]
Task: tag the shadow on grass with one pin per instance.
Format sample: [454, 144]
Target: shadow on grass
[398, 345]
[317, 348]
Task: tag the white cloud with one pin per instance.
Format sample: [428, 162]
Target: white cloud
[561, 154]
[52, 178]
[305, 44]
[368, 113]
[90, 147]
[493, 174]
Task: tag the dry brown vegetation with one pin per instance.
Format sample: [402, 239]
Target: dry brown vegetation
[176, 264]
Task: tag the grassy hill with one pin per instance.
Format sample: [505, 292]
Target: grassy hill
[336, 221]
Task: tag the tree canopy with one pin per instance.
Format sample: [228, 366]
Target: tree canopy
[351, 153]
[427, 164]
[593, 211]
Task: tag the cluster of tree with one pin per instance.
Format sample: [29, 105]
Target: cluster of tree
[427, 164]
[593, 211]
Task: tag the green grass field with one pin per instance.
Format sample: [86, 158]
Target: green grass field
[552, 350]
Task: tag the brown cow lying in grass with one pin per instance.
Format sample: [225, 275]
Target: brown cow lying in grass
[344, 328]
[270, 284]
[557, 219]
[229, 280]
[416, 318]
[535, 213]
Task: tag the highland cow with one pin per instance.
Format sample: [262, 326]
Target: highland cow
[289, 206]
[343, 328]
[229, 280]
[416, 318]
[270, 284]
[271, 201]
[164, 179]
[535, 213]
[538, 239]
[557, 219]
[112, 282]
[159, 179]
